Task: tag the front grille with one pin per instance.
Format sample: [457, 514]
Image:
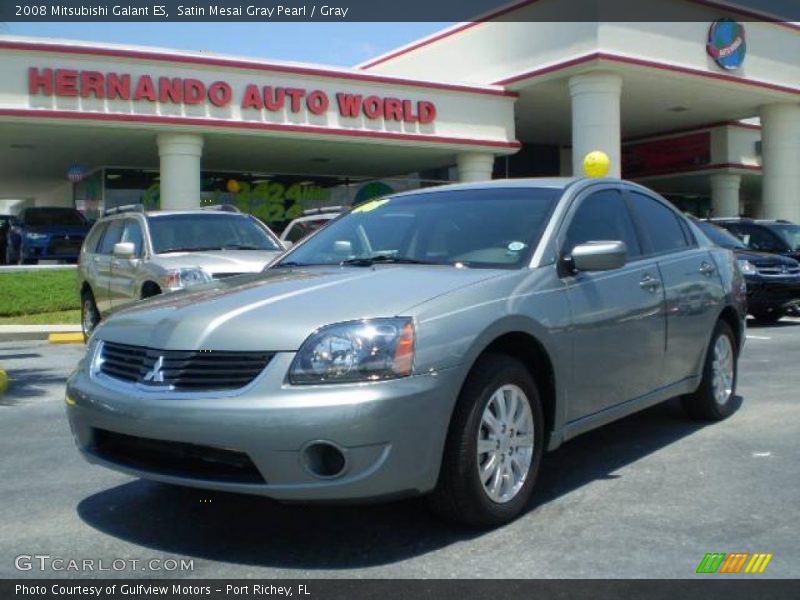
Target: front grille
[778, 270]
[174, 458]
[60, 244]
[188, 370]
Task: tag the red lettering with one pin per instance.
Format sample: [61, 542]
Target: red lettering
[373, 107]
[276, 103]
[145, 90]
[349, 105]
[297, 95]
[37, 81]
[92, 83]
[393, 109]
[118, 86]
[426, 111]
[318, 102]
[220, 93]
[408, 112]
[170, 90]
[252, 98]
[66, 82]
[194, 91]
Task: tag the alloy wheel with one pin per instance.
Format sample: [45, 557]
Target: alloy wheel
[505, 443]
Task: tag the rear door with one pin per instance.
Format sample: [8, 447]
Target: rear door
[124, 281]
[618, 331]
[693, 289]
[102, 264]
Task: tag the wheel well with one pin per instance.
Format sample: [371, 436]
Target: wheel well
[150, 288]
[532, 354]
[731, 317]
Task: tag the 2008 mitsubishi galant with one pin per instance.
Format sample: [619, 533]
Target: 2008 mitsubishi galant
[434, 342]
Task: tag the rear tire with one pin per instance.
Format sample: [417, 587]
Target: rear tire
[494, 445]
[90, 316]
[715, 398]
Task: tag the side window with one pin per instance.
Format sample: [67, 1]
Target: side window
[133, 233]
[112, 236]
[94, 237]
[661, 225]
[758, 238]
[603, 216]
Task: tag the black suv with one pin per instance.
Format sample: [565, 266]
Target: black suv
[775, 237]
[773, 281]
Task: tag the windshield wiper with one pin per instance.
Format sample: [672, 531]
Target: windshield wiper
[242, 247]
[294, 263]
[190, 249]
[385, 259]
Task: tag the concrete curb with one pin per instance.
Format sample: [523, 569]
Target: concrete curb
[3, 381]
[14, 333]
[65, 338]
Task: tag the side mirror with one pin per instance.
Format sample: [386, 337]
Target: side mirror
[599, 256]
[124, 249]
[287, 244]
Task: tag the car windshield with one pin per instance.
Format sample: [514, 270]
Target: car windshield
[53, 217]
[213, 231]
[790, 233]
[719, 236]
[479, 228]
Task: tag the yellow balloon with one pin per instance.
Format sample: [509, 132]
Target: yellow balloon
[233, 186]
[596, 164]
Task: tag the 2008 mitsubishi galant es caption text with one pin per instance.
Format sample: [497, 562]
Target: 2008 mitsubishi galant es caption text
[434, 342]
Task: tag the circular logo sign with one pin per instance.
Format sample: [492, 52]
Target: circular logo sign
[726, 43]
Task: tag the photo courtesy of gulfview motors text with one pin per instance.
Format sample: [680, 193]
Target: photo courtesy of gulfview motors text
[296, 302]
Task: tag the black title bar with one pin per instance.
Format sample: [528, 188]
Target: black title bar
[393, 10]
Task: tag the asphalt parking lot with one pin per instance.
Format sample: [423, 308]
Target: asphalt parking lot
[645, 497]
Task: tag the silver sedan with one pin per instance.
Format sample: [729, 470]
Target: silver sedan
[436, 342]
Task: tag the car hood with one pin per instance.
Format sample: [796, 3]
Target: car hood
[278, 309]
[220, 261]
[763, 259]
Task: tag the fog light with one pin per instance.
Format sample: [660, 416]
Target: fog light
[324, 460]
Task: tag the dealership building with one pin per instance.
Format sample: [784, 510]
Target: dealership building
[704, 108]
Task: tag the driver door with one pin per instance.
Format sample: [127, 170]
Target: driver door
[618, 320]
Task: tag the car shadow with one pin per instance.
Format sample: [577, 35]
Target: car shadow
[29, 383]
[251, 530]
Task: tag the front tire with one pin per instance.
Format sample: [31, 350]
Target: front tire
[715, 398]
[90, 316]
[494, 445]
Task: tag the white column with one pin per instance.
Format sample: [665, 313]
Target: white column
[725, 194]
[780, 155]
[596, 118]
[475, 166]
[180, 170]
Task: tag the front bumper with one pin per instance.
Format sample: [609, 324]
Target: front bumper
[392, 433]
[772, 293]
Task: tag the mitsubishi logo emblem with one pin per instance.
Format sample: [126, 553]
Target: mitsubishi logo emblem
[784, 269]
[155, 375]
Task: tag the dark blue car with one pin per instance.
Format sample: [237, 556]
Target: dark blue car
[45, 233]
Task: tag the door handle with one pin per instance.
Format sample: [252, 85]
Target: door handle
[707, 268]
[650, 283]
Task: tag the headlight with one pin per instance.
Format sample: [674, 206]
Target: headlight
[186, 277]
[369, 350]
[35, 236]
[746, 267]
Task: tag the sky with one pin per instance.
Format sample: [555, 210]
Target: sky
[341, 44]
